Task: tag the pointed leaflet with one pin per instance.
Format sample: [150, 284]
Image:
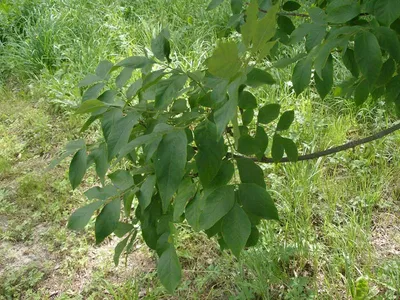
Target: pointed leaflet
[324, 84]
[216, 205]
[236, 229]
[93, 92]
[119, 248]
[103, 68]
[79, 219]
[135, 62]
[228, 111]
[169, 165]
[368, 55]
[247, 145]
[291, 6]
[223, 176]
[161, 47]
[107, 220]
[123, 77]
[121, 179]
[186, 192]
[387, 11]
[119, 134]
[262, 141]
[361, 92]
[210, 151]
[350, 63]
[168, 89]
[285, 120]
[193, 211]
[89, 80]
[109, 121]
[146, 191]
[100, 158]
[257, 201]
[169, 269]
[257, 77]
[302, 75]
[277, 150]
[268, 113]
[77, 168]
[341, 11]
[389, 41]
[90, 106]
[290, 149]
[247, 100]
[224, 62]
[250, 172]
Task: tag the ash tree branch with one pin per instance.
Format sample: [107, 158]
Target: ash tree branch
[334, 150]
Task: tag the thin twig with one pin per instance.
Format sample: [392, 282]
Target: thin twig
[333, 150]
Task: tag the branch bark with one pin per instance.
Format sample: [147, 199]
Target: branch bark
[334, 150]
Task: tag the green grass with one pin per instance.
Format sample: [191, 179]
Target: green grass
[339, 226]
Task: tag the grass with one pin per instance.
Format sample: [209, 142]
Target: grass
[338, 237]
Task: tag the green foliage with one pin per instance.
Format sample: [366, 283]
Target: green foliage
[149, 110]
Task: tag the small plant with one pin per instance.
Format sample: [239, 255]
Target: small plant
[185, 145]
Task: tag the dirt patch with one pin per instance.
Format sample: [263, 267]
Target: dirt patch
[386, 234]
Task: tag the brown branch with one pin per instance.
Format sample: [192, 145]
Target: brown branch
[334, 150]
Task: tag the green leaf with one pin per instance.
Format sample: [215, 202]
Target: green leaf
[257, 201]
[168, 89]
[253, 238]
[119, 134]
[193, 211]
[101, 193]
[236, 6]
[284, 62]
[135, 62]
[387, 11]
[247, 145]
[169, 165]
[350, 63]
[258, 77]
[146, 191]
[286, 24]
[291, 6]
[128, 200]
[236, 229]
[90, 106]
[210, 151]
[123, 77]
[224, 175]
[285, 121]
[122, 179]
[108, 96]
[160, 46]
[93, 92]
[77, 168]
[217, 205]
[89, 80]
[247, 116]
[250, 172]
[214, 4]
[262, 141]
[122, 229]
[169, 269]
[100, 158]
[119, 249]
[315, 36]
[317, 15]
[342, 11]
[79, 219]
[224, 62]
[71, 148]
[186, 192]
[387, 71]
[277, 150]
[107, 220]
[227, 112]
[302, 75]
[134, 88]
[247, 100]
[324, 84]
[389, 41]
[268, 113]
[368, 55]
[361, 92]
[290, 149]
[109, 121]
[104, 68]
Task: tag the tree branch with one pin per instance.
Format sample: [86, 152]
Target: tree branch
[334, 150]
